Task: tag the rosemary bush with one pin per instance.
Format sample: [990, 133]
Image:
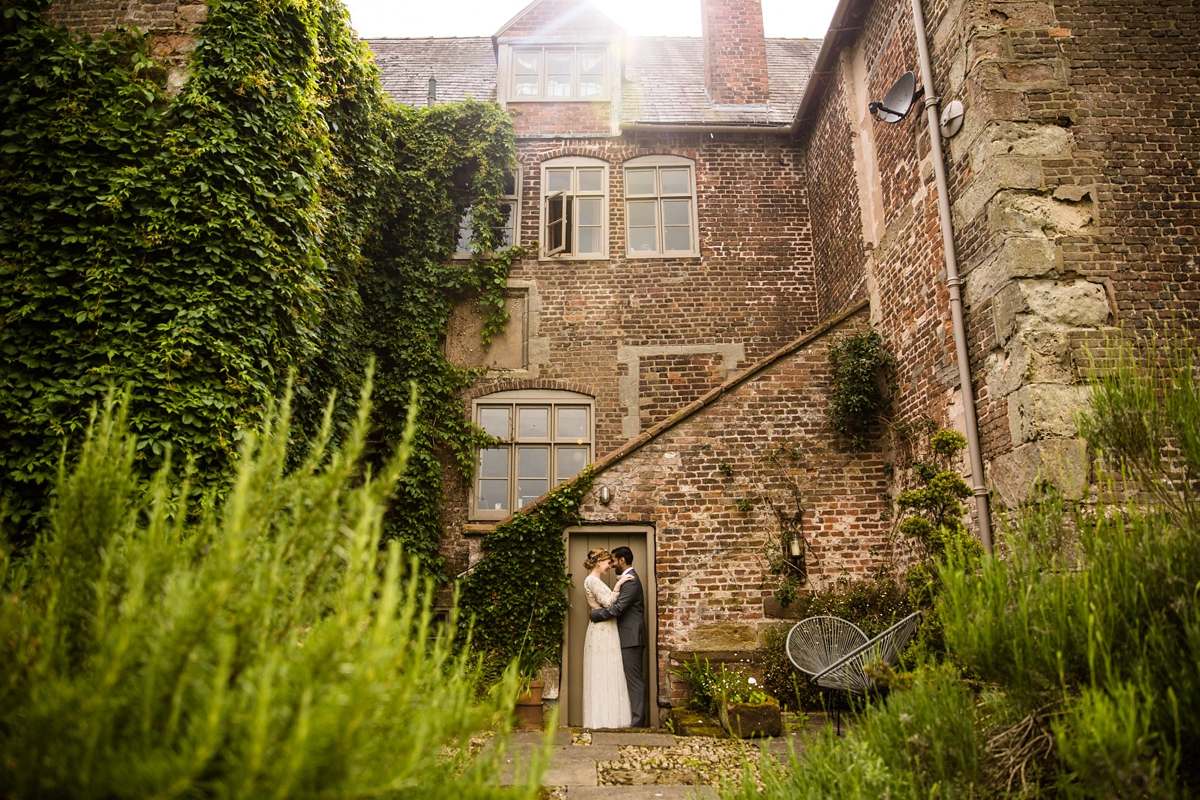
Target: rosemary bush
[262, 646]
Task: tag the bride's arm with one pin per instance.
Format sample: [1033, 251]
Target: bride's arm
[604, 595]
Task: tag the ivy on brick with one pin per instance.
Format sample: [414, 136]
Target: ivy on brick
[862, 371]
[278, 219]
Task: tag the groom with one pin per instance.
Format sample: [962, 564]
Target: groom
[630, 611]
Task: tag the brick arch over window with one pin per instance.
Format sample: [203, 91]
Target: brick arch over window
[514, 384]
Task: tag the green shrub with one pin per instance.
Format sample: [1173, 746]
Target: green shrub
[710, 688]
[265, 646]
[862, 371]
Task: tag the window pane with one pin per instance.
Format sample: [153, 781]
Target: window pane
[642, 240]
[533, 462]
[677, 212]
[558, 180]
[641, 214]
[493, 462]
[534, 423]
[589, 87]
[510, 185]
[572, 424]
[526, 87]
[639, 182]
[495, 421]
[505, 233]
[558, 63]
[591, 180]
[675, 181]
[493, 495]
[571, 461]
[590, 241]
[558, 86]
[589, 210]
[463, 245]
[528, 491]
[677, 238]
[527, 62]
[591, 63]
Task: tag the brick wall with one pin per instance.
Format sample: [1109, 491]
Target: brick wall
[612, 323]
[710, 553]
[561, 18]
[735, 51]
[561, 118]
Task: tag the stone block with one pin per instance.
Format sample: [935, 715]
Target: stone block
[987, 45]
[1020, 14]
[1059, 463]
[1005, 138]
[723, 636]
[1021, 76]
[1038, 215]
[1016, 257]
[1034, 354]
[752, 720]
[465, 328]
[1079, 303]
[999, 173]
[1044, 411]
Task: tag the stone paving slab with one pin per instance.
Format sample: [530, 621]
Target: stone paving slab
[570, 765]
[633, 739]
[640, 792]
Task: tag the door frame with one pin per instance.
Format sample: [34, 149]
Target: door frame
[650, 584]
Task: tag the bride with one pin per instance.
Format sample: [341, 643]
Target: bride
[605, 696]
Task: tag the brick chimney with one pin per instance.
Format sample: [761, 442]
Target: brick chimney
[735, 51]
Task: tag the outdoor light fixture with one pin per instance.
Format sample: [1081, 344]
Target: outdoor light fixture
[899, 100]
[795, 545]
[605, 495]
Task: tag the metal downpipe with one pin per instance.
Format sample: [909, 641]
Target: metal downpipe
[953, 282]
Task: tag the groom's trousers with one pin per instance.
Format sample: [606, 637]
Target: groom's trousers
[635, 681]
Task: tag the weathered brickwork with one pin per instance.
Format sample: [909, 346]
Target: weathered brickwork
[667, 383]
[170, 23]
[580, 119]
[710, 552]
[735, 51]
[560, 18]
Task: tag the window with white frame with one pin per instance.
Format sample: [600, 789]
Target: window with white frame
[559, 73]
[510, 210]
[660, 207]
[545, 438]
[575, 207]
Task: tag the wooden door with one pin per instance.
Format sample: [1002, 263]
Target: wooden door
[579, 542]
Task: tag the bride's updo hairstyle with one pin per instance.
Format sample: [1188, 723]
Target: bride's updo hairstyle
[595, 556]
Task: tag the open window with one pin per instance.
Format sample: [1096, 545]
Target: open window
[575, 208]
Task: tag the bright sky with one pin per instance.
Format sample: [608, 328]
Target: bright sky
[800, 19]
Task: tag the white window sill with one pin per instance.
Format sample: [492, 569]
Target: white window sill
[661, 256]
[511, 100]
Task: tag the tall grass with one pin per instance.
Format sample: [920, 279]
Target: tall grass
[1082, 640]
[264, 646]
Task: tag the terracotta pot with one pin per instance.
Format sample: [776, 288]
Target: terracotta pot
[529, 706]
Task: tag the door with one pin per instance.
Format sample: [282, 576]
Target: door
[579, 541]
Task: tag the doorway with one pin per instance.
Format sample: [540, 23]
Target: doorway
[581, 539]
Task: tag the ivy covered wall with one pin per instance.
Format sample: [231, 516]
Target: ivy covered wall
[276, 218]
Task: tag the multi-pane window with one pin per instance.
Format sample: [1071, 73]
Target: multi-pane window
[506, 234]
[660, 206]
[575, 207]
[545, 438]
[558, 73]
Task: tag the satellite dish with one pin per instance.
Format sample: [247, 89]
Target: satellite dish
[899, 100]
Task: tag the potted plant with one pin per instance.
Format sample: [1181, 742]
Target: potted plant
[529, 701]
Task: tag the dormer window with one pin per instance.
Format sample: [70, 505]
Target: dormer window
[558, 73]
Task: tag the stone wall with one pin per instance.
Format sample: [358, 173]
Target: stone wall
[772, 433]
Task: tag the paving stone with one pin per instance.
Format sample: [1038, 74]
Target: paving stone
[633, 739]
[640, 792]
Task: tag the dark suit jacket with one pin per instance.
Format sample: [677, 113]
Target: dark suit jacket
[630, 612]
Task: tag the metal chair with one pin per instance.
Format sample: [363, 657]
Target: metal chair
[835, 653]
[849, 673]
[817, 643]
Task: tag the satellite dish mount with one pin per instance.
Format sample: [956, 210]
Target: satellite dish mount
[899, 100]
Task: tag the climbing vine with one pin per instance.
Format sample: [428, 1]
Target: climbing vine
[279, 217]
[862, 370]
[517, 594]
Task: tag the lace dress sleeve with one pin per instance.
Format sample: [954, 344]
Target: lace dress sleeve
[600, 591]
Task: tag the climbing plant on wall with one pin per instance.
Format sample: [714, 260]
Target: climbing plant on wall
[278, 217]
[862, 371]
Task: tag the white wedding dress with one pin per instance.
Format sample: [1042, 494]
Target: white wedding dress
[605, 695]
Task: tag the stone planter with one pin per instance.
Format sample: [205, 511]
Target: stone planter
[748, 720]
[529, 706]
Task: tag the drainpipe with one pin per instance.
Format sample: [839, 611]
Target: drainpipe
[953, 282]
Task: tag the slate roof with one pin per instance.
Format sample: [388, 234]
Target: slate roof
[664, 77]
[462, 67]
